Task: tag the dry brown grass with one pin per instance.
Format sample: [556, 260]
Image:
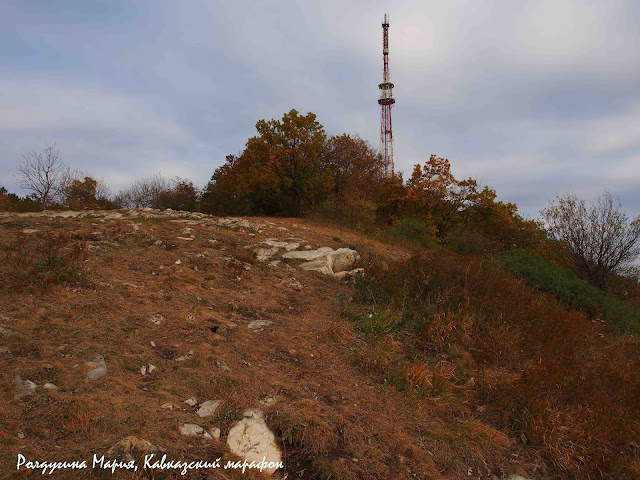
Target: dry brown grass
[561, 386]
[357, 398]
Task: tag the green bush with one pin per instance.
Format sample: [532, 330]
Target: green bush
[571, 290]
[415, 230]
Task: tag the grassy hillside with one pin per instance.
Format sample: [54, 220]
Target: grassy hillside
[572, 291]
[433, 365]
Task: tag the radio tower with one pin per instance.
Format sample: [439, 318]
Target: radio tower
[386, 101]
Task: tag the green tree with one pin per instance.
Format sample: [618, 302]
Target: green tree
[355, 166]
[280, 172]
[182, 195]
[292, 150]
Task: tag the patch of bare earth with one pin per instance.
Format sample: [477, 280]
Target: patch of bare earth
[186, 295]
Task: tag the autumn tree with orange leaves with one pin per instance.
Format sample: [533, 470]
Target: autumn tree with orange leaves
[280, 172]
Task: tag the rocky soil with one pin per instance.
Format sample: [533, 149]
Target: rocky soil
[196, 337]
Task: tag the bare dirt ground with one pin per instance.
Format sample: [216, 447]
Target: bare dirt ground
[134, 292]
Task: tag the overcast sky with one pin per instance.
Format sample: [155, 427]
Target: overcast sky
[532, 98]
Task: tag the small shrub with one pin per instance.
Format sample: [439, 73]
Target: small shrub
[431, 379]
[378, 323]
[419, 231]
[42, 261]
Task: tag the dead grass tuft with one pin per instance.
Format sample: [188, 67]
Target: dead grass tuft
[42, 261]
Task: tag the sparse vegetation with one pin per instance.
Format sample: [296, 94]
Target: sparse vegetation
[573, 291]
[471, 333]
[41, 261]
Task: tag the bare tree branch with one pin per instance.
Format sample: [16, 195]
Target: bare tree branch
[44, 174]
[600, 237]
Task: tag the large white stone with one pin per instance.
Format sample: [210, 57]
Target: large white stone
[288, 246]
[325, 260]
[343, 259]
[252, 440]
[264, 254]
[321, 264]
[309, 254]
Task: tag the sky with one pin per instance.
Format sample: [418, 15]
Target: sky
[532, 98]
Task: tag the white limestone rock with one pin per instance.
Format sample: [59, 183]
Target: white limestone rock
[264, 254]
[25, 388]
[258, 324]
[130, 448]
[192, 402]
[251, 439]
[98, 368]
[194, 430]
[208, 408]
[325, 260]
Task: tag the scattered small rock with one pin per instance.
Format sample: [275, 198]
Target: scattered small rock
[130, 448]
[168, 406]
[264, 254]
[194, 430]
[98, 368]
[25, 388]
[258, 325]
[156, 319]
[268, 400]
[192, 402]
[29, 231]
[49, 386]
[208, 408]
[178, 262]
[223, 365]
[6, 332]
[187, 356]
[295, 284]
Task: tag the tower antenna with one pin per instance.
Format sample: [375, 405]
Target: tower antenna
[386, 101]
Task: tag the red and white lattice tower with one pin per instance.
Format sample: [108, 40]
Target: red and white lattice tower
[386, 101]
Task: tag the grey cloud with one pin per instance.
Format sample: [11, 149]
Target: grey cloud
[532, 98]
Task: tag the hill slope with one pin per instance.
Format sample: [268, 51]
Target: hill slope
[179, 307]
